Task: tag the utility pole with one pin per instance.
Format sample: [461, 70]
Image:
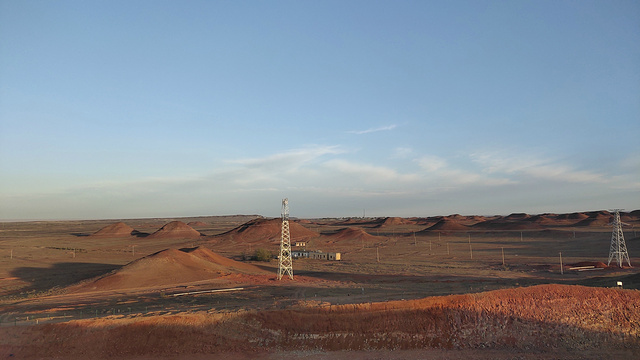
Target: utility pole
[561, 266]
[285, 264]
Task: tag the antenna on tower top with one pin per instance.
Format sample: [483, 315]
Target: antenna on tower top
[618, 249]
[285, 264]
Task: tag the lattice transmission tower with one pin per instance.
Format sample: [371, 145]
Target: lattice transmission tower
[618, 249]
[285, 264]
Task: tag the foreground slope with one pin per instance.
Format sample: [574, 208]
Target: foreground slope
[542, 320]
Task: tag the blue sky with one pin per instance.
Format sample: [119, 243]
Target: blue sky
[121, 109]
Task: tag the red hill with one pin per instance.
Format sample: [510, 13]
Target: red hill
[393, 221]
[543, 220]
[503, 223]
[175, 230]
[447, 224]
[597, 219]
[351, 234]
[264, 230]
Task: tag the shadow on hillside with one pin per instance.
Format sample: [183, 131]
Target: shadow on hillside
[60, 274]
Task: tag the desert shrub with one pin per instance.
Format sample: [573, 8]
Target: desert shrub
[263, 255]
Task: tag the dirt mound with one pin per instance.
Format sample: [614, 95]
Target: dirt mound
[197, 223]
[168, 267]
[447, 224]
[266, 230]
[351, 234]
[175, 230]
[225, 263]
[116, 230]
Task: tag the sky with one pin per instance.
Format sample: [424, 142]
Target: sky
[131, 109]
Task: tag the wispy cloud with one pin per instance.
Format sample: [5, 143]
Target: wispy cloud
[439, 171]
[536, 167]
[291, 158]
[366, 173]
[402, 152]
[372, 130]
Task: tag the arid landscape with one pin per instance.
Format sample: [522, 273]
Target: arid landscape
[448, 287]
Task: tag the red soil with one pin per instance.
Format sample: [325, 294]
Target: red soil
[118, 229]
[168, 267]
[175, 230]
[266, 230]
[197, 223]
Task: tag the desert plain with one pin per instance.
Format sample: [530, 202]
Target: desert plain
[517, 286]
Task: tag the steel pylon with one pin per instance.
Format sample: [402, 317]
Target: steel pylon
[285, 264]
[618, 248]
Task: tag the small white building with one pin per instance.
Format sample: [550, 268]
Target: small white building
[318, 255]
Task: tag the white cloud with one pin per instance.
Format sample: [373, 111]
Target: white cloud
[371, 130]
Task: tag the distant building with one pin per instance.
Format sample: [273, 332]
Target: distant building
[318, 255]
[300, 244]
